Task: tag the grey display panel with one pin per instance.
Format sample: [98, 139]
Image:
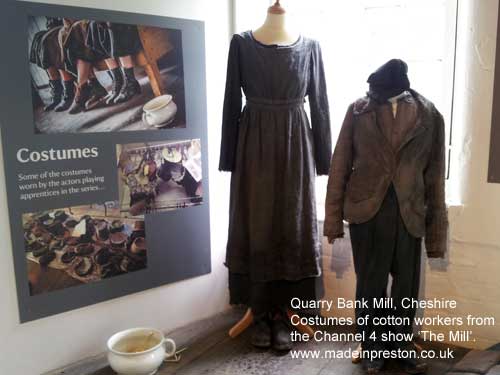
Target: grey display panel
[178, 239]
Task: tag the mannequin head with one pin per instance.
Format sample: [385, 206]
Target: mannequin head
[276, 29]
[276, 8]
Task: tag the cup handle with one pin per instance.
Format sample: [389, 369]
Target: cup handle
[172, 352]
[146, 117]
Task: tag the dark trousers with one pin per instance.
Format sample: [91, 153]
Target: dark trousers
[383, 246]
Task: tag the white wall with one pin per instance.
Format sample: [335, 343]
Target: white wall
[475, 74]
[45, 344]
[473, 276]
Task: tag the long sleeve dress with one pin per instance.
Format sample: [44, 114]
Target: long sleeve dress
[272, 150]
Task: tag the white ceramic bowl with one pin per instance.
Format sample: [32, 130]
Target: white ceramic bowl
[144, 362]
[159, 111]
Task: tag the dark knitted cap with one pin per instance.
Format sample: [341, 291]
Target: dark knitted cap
[390, 80]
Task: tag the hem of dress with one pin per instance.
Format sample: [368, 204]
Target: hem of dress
[314, 271]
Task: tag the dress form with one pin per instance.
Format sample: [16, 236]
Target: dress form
[276, 29]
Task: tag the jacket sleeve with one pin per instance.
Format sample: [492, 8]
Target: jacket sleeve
[436, 220]
[340, 170]
[320, 114]
[232, 109]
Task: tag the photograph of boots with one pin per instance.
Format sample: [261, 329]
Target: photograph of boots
[82, 94]
[67, 96]
[97, 95]
[56, 92]
[116, 86]
[130, 87]
[102, 74]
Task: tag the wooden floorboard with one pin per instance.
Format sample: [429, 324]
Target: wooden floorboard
[213, 361]
[210, 351]
[441, 366]
[197, 338]
[230, 357]
[342, 366]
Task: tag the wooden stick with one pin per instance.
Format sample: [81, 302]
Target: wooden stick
[242, 325]
[302, 328]
[247, 319]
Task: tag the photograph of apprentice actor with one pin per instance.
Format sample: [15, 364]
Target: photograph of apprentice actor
[68, 50]
[84, 43]
[387, 181]
[46, 53]
[97, 76]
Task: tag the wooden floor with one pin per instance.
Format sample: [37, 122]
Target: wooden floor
[215, 353]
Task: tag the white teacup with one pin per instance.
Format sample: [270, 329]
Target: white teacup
[159, 111]
[138, 351]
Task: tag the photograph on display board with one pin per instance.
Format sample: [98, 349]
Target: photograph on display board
[78, 245]
[159, 176]
[91, 76]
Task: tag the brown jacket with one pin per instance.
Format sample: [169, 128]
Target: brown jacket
[365, 163]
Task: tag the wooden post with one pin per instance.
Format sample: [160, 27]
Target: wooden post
[155, 43]
[155, 78]
[242, 325]
[247, 319]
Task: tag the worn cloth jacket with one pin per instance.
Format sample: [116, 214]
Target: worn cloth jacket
[364, 165]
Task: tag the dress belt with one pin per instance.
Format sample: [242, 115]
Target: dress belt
[274, 104]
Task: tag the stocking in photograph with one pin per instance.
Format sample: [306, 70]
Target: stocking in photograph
[131, 86]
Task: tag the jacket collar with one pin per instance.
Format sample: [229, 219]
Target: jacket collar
[368, 104]
[425, 110]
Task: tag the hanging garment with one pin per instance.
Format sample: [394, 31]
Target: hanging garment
[369, 157]
[45, 49]
[113, 39]
[72, 40]
[272, 151]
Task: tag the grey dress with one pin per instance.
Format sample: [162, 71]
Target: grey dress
[272, 151]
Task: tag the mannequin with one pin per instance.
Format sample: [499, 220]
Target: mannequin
[387, 181]
[272, 251]
[389, 83]
[276, 30]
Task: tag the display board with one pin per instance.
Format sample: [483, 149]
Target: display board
[103, 119]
